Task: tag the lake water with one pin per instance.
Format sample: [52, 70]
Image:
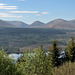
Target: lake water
[15, 56]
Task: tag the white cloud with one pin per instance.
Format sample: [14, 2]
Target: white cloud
[45, 12]
[33, 12]
[38, 15]
[9, 15]
[8, 7]
[4, 6]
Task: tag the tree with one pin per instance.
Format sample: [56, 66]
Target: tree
[7, 67]
[54, 54]
[70, 53]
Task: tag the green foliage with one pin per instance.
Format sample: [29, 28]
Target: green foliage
[71, 50]
[54, 53]
[37, 63]
[6, 64]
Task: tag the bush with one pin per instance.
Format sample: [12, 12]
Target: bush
[37, 64]
[7, 66]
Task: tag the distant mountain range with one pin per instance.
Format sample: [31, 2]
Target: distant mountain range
[18, 24]
[61, 24]
[6, 24]
[37, 24]
[57, 24]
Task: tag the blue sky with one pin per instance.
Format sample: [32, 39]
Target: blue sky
[29, 11]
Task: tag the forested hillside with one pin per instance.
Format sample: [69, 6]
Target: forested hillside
[14, 39]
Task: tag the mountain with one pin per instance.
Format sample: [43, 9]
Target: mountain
[19, 24]
[6, 24]
[60, 24]
[73, 21]
[56, 24]
[37, 24]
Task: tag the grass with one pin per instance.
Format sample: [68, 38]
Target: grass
[67, 68]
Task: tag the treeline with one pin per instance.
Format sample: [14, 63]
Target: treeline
[41, 63]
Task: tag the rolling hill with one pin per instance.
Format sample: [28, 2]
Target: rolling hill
[56, 24]
[19, 24]
[61, 24]
[37, 24]
[6, 24]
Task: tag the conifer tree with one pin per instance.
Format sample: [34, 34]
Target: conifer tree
[71, 50]
[54, 53]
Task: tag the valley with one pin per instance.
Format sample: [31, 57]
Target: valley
[16, 40]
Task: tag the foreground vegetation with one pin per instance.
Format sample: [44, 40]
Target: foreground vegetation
[67, 68]
[40, 63]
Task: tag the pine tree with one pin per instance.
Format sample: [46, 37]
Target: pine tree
[71, 50]
[54, 53]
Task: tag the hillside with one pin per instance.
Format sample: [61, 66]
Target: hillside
[37, 24]
[19, 24]
[61, 24]
[6, 24]
[56, 24]
[73, 21]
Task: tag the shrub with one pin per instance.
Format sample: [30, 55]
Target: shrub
[39, 64]
[7, 66]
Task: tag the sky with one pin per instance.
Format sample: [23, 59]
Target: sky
[29, 11]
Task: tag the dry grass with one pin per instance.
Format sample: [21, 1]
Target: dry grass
[66, 69]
